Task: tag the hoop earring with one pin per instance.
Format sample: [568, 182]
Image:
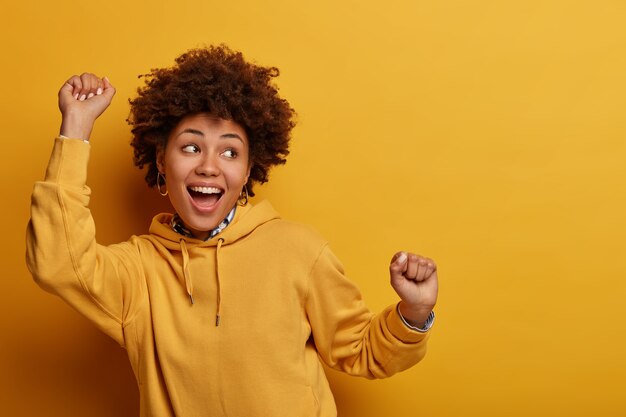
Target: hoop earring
[158, 184]
[243, 196]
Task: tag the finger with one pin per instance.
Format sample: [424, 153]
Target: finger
[398, 265]
[421, 269]
[93, 85]
[99, 86]
[109, 90]
[85, 86]
[66, 90]
[76, 84]
[89, 86]
[411, 270]
[431, 267]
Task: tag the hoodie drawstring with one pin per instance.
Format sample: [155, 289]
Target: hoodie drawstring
[219, 287]
[188, 283]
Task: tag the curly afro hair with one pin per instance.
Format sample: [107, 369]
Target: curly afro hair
[219, 81]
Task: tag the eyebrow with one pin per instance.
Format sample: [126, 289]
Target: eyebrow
[192, 131]
[231, 136]
[199, 133]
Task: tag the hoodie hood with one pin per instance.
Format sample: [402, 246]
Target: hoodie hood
[167, 241]
[247, 219]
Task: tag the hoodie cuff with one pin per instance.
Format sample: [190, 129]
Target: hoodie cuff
[68, 162]
[427, 325]
[65, 137]
[403, 332]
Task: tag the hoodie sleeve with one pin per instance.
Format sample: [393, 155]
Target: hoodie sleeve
[348, 337]
[61, 250]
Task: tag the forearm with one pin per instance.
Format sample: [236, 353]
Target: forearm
[76, 127]
[62, 253]
[60, 205]
[416, 317]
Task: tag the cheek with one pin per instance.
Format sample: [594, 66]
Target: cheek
[242, 175]
[237, 173]
[176, 169]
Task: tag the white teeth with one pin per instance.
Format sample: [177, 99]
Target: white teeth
[206, 190]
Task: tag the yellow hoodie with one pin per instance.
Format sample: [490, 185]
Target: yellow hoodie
[235, 326]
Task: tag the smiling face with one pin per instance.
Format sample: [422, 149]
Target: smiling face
[206, 165]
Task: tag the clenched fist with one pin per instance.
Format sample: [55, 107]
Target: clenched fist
[414, 278]
[82, 99]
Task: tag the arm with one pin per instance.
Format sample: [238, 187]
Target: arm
[414, 278]
[348, 336]
[62, 253]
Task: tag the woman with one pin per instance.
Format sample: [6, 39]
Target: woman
[224, 308]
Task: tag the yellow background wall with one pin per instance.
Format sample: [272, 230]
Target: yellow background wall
[489, 135]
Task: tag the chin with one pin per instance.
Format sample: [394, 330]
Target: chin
[202, 227]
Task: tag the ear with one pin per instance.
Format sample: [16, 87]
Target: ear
[248, 172]
[160, 159]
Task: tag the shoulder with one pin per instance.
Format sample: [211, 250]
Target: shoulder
[291, 236]
[295, 229]
[265, 222]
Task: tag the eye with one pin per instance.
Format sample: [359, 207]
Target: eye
[230, 153]
[190, 149]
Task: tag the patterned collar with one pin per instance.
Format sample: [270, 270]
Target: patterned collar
[177, 225]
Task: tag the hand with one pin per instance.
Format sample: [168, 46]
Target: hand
[414, 278]
[82, 99]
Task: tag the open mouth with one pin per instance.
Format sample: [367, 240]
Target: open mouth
[205, 196]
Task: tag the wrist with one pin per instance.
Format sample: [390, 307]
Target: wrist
[415, 316]
[75, 127]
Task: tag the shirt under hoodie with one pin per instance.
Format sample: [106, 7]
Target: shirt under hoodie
[270, 303]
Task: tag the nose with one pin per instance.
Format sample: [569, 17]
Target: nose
[208, 165]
